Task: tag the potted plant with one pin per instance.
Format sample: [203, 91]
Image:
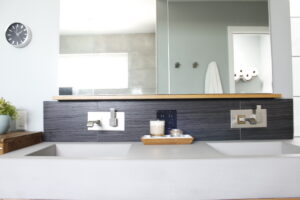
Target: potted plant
[7, 113]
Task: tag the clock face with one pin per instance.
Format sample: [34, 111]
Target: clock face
[18, 35]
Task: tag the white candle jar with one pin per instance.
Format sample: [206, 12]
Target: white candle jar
[157, 127]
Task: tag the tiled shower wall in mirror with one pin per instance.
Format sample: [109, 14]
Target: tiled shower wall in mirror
[140, 61]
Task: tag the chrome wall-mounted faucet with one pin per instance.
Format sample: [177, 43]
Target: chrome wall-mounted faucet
[249, 118]
[251, 121]
[91, 124]
[106, 121]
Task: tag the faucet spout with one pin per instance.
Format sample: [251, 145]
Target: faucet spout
[251, 121]
[91, 124]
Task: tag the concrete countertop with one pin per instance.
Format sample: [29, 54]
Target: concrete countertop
[137, 150]
[154, 172]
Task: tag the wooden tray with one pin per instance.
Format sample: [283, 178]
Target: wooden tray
[17, 140]
[158, 140]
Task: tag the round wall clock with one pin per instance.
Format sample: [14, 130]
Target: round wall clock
[18, 35]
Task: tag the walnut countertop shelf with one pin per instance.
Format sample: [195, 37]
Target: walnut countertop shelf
[167, 97]
[17, 140]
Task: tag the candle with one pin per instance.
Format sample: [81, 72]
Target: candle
[157, 127]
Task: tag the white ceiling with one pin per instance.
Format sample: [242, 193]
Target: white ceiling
[107, 16]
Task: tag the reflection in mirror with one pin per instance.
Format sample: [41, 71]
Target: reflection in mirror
[250, 49]
[203, 46]
[230, 41]
[107, 46]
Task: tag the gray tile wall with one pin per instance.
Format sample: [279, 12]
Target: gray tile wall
[141, 57]
[203, 119]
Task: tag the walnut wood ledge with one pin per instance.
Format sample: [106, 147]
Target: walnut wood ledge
[167, 97]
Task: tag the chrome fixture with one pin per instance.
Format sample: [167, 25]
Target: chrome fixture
[241, 119]
[256, 118]
[176, 132]
[106, 121]
[252, 121]
[113, 121]
[92, 123]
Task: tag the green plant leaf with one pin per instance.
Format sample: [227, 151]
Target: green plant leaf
[7, 108]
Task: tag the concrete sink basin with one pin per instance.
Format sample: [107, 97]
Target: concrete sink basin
[268, 148]
[81, 150]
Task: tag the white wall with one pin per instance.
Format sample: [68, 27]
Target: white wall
[196, 35]
[28, 75]
[281, 47]
[295, 25]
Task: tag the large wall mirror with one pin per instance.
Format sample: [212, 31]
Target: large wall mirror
[165, 47]
[108, 46]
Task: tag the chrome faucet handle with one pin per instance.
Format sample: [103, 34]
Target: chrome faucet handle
[113, 121]
[257, 113]
[242, 119]
[252, 121]
[92, 123]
